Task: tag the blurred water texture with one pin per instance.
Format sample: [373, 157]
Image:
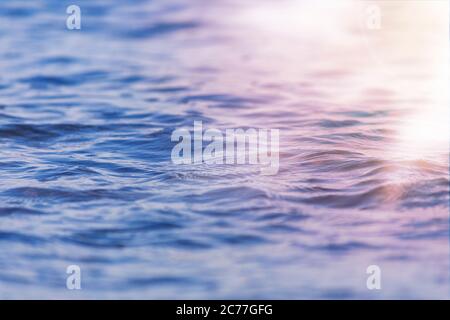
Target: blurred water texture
[86, 175]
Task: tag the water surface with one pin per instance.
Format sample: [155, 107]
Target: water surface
[87, 179]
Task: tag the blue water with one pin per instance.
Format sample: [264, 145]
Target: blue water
[87, 179]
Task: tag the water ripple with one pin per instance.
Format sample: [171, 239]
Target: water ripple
[86, 119]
